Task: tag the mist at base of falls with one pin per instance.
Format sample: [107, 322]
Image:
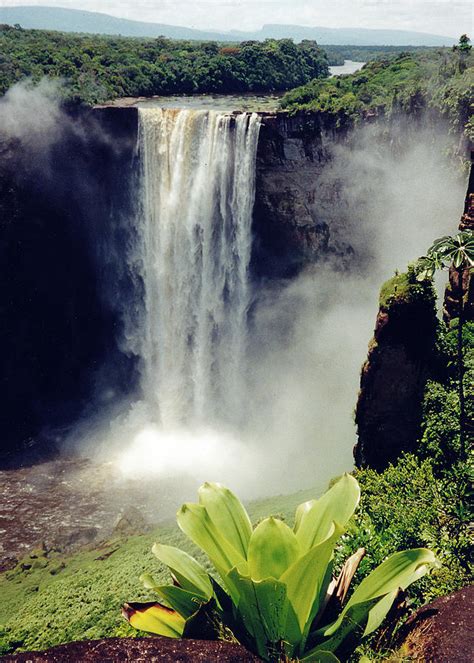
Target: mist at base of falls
[254, 384]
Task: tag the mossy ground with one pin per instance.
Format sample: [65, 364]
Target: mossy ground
[53, 599]
[404, 288]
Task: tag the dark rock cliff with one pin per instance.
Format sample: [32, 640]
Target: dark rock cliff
[393, 378]
[402, 356]
[58, 210]
[65, 232]
[295, 202]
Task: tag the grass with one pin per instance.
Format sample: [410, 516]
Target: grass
[53, 599]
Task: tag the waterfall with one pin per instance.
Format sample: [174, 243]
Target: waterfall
[194, 246]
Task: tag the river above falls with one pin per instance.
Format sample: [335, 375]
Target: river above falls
[349, 67]
[265, 102]
[221, 102]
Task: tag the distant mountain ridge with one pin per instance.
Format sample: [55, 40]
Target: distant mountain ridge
[75, 20]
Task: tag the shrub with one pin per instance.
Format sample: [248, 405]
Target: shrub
[409, 506]
[276, 592]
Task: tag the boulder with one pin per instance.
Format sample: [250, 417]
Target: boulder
[441, 632]
[139, 650]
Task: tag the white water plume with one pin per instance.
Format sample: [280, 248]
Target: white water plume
[198, 188]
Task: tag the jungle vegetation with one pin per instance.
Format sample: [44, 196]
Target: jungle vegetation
[441, 80]
[98, 68]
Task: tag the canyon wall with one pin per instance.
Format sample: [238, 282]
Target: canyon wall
[65, 234]
[60, 209]
[299, 207]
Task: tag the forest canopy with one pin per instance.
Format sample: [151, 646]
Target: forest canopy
[99, 68]
[441, 79]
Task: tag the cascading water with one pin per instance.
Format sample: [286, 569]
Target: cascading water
[198, 189]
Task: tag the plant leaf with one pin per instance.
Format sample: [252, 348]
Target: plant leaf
[458, 258]
[154, 618]
[398, 571]
[272, 549]
[314, 519]
[203, 624]
[352, 625]
[189, 574]
[195, 522]
[263, 609]
[184, 602]
[305, 580]
[228, 515]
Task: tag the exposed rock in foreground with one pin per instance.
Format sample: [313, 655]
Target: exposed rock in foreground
[442, 631]
[139, 649]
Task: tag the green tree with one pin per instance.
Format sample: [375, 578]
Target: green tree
[463, 48]
[455, 253]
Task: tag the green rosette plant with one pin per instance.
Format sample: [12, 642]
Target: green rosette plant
[276, 593]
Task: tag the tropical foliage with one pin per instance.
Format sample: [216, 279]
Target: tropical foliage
[408, 82]
[411, 505]
[99, 68]
[456, 253]
[446, 252]
[276, 592]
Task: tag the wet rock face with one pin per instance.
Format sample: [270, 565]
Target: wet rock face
[441, 631]
[296, 202]
[62, 211]
[162, 650]
[393, 378]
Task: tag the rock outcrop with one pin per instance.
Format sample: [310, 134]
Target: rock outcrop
[441, 632]
[464, 286]
[399, 362]
[152, 650]
[388, 413]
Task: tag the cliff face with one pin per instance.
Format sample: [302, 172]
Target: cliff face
[393, 378]
[58, 211]
[401, 357]
[296, 203]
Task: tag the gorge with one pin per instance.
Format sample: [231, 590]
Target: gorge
[329, 203]
[187, 296]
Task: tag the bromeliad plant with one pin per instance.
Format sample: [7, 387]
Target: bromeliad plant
[276, 593]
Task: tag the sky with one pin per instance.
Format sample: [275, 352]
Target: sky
[443, 17]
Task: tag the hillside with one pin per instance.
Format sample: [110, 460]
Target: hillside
[73, 20]
[97, 68]
[408, 82]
